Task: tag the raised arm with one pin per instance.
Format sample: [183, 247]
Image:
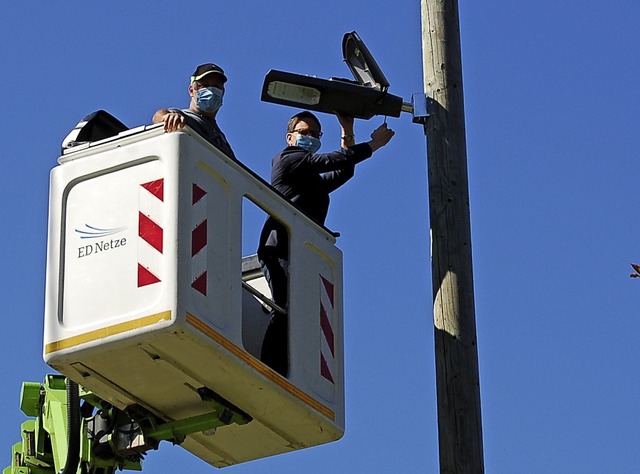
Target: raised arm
[380, 137]
[347, 137]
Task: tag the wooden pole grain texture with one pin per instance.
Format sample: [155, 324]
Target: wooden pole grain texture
[457, 372]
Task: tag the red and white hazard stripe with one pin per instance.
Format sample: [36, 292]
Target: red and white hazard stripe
[327, 338]
[150, 232]
[199, 239]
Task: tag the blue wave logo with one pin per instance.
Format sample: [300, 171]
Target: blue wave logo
[91, 232]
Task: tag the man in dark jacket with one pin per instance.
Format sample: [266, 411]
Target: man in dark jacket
[306, 178]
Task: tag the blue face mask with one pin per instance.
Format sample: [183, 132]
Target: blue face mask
[309, 143]
[209, 99]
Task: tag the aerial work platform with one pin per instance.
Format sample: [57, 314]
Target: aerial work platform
[147, 297]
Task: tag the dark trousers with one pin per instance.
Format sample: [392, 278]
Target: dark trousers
[275, 346]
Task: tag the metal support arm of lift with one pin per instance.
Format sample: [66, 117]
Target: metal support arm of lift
[110, 439]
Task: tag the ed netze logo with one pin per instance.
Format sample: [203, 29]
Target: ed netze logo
[104, 240]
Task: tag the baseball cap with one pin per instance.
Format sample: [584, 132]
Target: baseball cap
[208, 68]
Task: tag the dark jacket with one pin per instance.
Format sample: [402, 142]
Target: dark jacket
[208, 129]
[306, 180]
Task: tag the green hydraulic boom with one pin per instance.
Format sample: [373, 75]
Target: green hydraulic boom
[72, 431]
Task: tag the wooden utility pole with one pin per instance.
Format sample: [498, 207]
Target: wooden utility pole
[457, 374]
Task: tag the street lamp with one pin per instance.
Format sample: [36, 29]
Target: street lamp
[362, 98]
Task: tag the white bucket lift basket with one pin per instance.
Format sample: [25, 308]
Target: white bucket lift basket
[145, 300]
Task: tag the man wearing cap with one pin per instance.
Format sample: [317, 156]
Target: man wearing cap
[206, 91]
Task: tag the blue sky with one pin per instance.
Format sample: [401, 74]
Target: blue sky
[552, 136]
